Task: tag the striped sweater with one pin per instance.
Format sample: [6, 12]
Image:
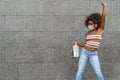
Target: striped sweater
[93, 41]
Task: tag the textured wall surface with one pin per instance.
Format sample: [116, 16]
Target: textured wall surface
[36, 38]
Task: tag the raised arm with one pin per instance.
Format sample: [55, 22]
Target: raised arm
[103, 15]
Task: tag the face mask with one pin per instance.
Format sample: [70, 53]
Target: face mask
[91, 27]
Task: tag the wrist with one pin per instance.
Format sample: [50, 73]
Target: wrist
[84, 45]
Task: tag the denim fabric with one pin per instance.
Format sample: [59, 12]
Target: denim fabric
[92, 57]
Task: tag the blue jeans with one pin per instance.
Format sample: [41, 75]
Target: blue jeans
[92, 56]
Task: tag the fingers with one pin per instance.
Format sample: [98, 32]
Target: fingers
[74, 42]
[103, 2]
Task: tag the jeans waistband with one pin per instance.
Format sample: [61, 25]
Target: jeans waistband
[87, 50]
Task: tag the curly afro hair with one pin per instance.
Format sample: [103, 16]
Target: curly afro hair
[96, 18]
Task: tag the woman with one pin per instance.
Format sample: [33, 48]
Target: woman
[95, 22]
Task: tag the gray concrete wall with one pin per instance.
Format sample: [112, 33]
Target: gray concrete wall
[36, 37]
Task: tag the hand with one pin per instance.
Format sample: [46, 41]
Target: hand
[75, 42]
[103, 2]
